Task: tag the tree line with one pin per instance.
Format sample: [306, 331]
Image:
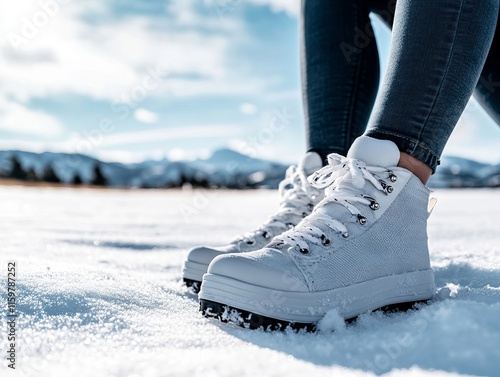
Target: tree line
[49, 175]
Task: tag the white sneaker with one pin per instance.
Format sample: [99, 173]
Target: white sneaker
[363, 247]
[298, 199]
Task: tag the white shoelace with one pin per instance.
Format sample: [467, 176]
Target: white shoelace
[353, 173]
[297, 195]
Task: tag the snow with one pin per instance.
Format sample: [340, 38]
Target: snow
[100, 294]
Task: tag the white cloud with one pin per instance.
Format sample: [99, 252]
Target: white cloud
[20, 119]
[145, 116]
[66, 53]
[106, 60]
[113, 147]
[239, 145]
[32, 146]
[248, 108]
[182, 154]
[151, 136]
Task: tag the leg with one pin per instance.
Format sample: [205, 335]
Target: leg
[340, 73]
[487, 90]
[437, 53]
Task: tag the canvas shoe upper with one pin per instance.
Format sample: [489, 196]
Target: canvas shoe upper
[363, 247]
[298, 198]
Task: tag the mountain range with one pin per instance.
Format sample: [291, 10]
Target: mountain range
[224, 168]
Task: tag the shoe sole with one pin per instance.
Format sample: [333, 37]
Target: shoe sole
[302, 309]
[192, 274]
[252, 321]
[193, 284]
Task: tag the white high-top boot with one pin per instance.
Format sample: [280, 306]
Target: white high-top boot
[363, 247]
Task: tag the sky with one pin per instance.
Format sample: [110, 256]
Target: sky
[127, 80]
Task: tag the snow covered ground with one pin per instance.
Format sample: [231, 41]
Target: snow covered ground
[99, 291]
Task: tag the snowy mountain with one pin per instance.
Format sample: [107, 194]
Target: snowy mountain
[460, 172]
[224, 168]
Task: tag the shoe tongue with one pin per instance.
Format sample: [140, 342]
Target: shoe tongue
[310, 163]
[374, 152]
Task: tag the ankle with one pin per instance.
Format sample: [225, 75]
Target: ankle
[421, 170]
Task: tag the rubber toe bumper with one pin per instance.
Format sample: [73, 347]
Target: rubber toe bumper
[196, 264]
[250, 271]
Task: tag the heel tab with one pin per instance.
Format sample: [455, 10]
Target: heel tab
[432, 203]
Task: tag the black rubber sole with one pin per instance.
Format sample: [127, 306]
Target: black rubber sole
[252, 321]
[248, 320]
[193, 284]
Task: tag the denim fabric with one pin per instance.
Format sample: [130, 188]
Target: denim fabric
[338, 93]
[440, 52]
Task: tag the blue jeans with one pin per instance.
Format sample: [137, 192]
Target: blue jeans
[440, 54]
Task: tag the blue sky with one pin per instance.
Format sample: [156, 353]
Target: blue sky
[129, 80]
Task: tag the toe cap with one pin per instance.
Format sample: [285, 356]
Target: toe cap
[203, 255]
[251, 271]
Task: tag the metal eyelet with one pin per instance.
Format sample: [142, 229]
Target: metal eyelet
[388, 189]
[345, 234]
[266, 235]
[325, 241]
[362, 219]
[250, 242]
[289, 225]
[304, 251]
[373, 203]
[393, 177]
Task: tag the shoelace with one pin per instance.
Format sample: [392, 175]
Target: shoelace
[331, 178]
[297, 195]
